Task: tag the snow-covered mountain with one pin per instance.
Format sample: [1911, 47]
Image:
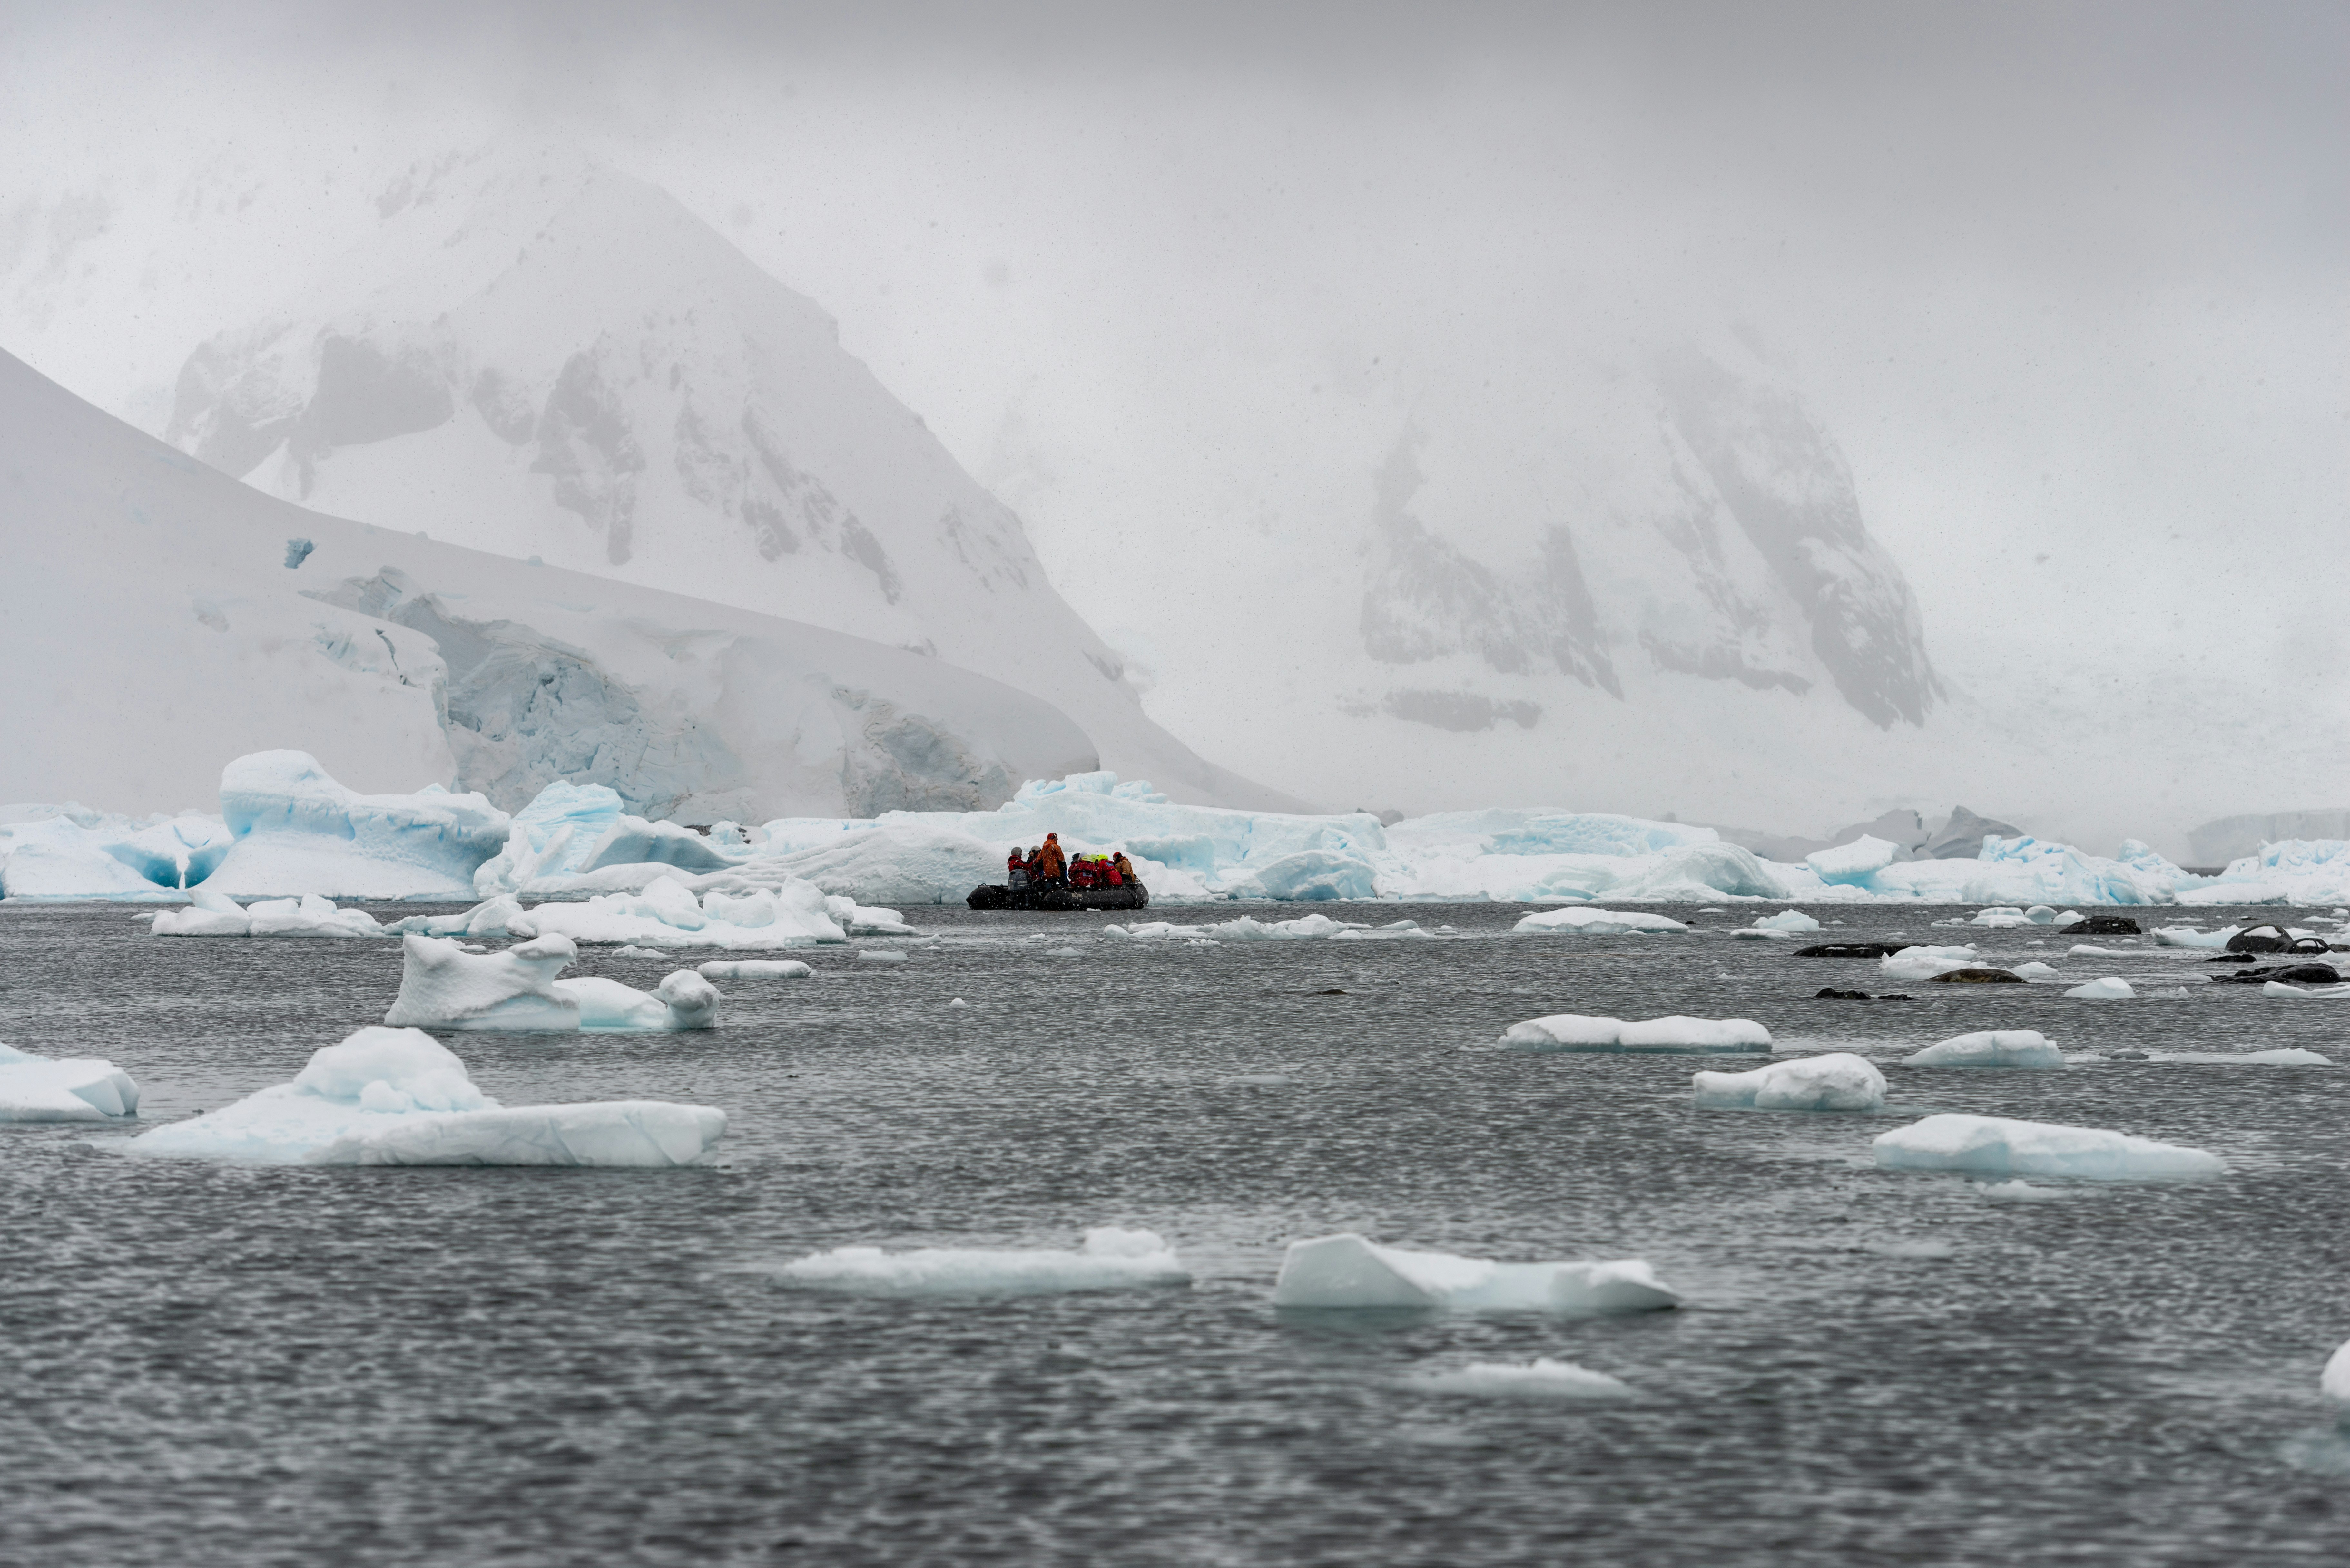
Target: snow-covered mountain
[158, 619]
[546, 358]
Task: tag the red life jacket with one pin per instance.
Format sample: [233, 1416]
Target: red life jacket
[1110, 875]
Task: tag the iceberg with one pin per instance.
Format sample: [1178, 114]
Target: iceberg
[51, 854]
[297, 831]
[685, 1000]
[1989, 1048]
[2188, 937]
[1577, 1031]
[2112, 988]
[37, 1088]
[398, 1097]
[1346, 1271]
[1589, 922]
[1925, 962]
[443, 986]
[1997, 1146]
[1540, 1378]
[755, 969]
[2001, 915]
[1110, 1259]
[208, 914]
[1790, 921]
[1838, 1081]
[1853, 864]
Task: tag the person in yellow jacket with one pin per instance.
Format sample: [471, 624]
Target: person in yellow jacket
[1056, 867]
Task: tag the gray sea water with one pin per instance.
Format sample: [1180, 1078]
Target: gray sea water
[212, 1364]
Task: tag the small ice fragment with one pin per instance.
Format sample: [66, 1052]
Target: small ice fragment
[1578, 1031]
[1990, 1048]
[1540, 1378]
[2113, 988]
[1346, 1271]
[2034, 969]
[2018, 1190]
[33, 1088]
[2335, 1383]
[1838, 1081]
[2041, 915]
[1925, 963]
[1110, 1259]
[1581, 920]
[634, 951]
[755, 969]
[957, 1002]
[1789, 921]
[2085, 950]
[2001, 1145]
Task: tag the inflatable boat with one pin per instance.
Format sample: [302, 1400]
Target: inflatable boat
[1133, 896]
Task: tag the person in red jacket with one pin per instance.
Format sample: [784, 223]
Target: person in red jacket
[1081, 873]
[1109, 877]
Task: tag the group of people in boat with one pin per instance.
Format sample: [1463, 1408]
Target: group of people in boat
[1046, 865]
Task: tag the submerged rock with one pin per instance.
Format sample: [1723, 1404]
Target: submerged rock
[1851, 950]
[2284, 973]
[2273, 939]
[1977, 976]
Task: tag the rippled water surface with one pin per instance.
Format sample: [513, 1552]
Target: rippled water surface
[211, 1365]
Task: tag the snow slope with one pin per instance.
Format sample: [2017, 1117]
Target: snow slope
[159, 619]
[539, 356]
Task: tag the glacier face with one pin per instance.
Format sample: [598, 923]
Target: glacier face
[165, 625]
[541, 356]
[1733, 551]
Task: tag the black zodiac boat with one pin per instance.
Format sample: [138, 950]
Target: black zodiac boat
[1133, 896]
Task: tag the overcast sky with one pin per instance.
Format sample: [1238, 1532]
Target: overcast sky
[2070, 284]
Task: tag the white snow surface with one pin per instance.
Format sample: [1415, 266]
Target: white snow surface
[1989, 1048]
[1579, 1032]
[1346, 1271]
[1999, 1145]
[37, 1088]
[1109, 1259]
[1838, 1081]
[398, 1097]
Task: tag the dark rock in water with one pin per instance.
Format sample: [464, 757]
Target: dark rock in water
[1830, 994]
[1334, 990]
[2229, 958]
[1977, 977]
[2273, 938]
[1851, 950]
[1961, 836]
[1897, 996]
[2103, 926]
[2290, 973]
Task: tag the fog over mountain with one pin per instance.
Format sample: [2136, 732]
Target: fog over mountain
[1769, 418]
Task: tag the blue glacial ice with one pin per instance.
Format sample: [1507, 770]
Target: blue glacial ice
[1348, 1272]
[297, 831]
[1998, 1146]
[398, 1097]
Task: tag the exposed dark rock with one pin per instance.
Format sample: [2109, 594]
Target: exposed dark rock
[2103, 926]
[1830, 994]
[2273, 938]
[1851, 950]
[1960, 837]
[2289, 973]
[2229, 958]
[1978, 977]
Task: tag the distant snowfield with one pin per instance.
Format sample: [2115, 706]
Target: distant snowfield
[288, 830]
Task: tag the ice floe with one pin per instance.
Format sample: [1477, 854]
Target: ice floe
[1109, 1259]
[1838, 1081]
[398, 1097]
[2086, 950]
[2112, 988]
[1591, 923]
[2034, 969]
[1347, 1270]
[2188, 937]
[2306, 993]
[443, 986]
[1540, 1378]
[1989, 1048]
[1999, 1146]
[755, 969]
[2286, 1056]
[1579, 1032]
[1925, 962]
[37, 1088]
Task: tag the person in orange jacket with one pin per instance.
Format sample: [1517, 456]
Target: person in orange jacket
[1124, 867]
[1052, 862]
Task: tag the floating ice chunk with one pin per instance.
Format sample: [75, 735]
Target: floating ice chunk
[882, 955]
[685, 1000]
[1989, 1048]
[1853, 864]
[859, 920]
[2307, 993]
[208, 914]
[756, 969]
[1581, 920]
[442, 986]
[2000, 915]
[1346, 1271]
[2018, 1190]
[1540, 1378]
[1998, 1146]
[308, 916]
[1787, 920]
[34, 1088]
[2112, 988]
[2334, 1381]
[956, 1004]
[1578, 1031]
[2085, 950]
[743, 916]
[1925, 962]
[2290, 1057]
[2188, 937]
[2034, 969]
[1110, 1259]
[634, 951]
[1838, 1081]
[398, 1097]
[2041, 915]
